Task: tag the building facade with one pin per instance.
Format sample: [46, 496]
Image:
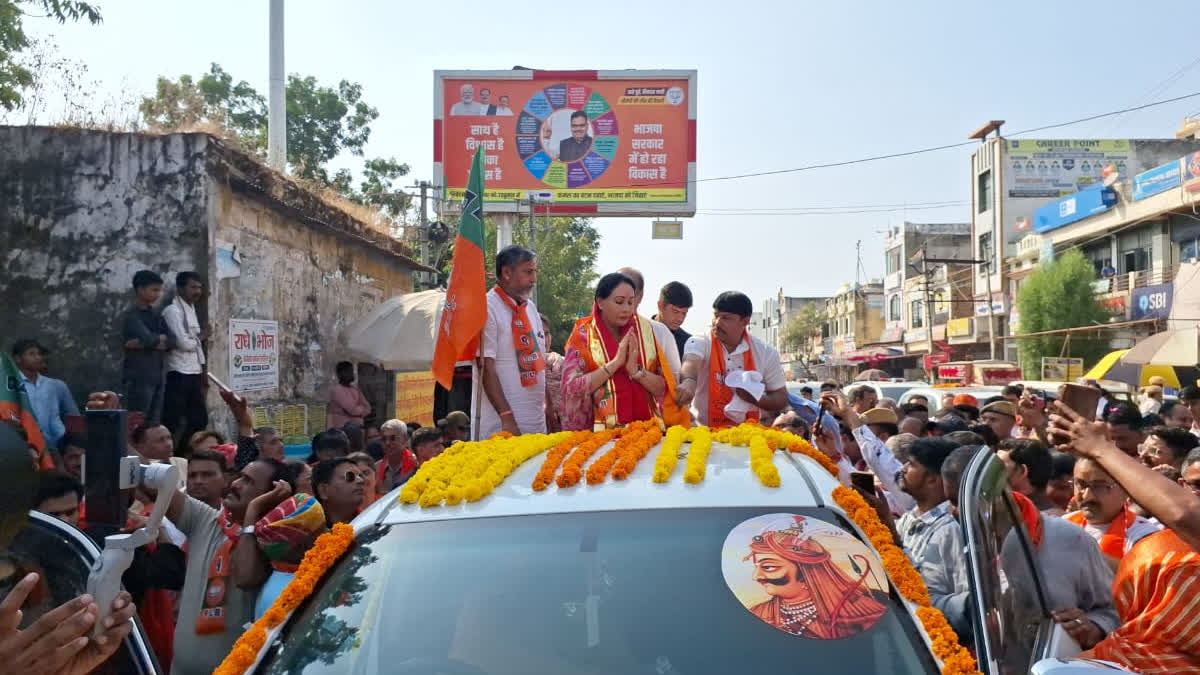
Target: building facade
[81, 211]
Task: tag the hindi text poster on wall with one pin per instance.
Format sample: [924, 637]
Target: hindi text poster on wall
[253, 355]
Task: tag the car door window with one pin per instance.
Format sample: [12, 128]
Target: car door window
[63, 556]
[1010, 607]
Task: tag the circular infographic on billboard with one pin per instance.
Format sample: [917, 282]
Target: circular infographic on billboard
[567, 135]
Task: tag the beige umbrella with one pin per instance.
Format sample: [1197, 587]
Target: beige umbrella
[1179, 347]
[400, 333]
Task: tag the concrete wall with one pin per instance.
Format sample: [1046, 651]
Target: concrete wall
[313, 280]
[80, 212]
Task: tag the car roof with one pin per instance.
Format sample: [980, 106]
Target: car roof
[728, 482]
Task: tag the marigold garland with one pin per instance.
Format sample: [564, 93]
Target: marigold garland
[760, 462]
[668, 454]
[697, 458]
[956, 659]
[572, 467]
[545, 475]
[470, 471]
[325, 551]
[633, 452]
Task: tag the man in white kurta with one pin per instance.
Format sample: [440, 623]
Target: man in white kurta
[507, 405]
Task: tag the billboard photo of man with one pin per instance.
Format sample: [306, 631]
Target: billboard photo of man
[466, 104]
[575, 146]
[486, 107]
[504, 110]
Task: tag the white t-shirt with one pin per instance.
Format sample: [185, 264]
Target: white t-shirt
[666, 340]
[766, 362]
[1139, 530]
[528, 403]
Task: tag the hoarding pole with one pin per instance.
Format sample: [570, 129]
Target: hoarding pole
[533, 243]
[277, 98]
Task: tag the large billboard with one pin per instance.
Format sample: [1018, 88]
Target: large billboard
[611, 143]
[1049, 169]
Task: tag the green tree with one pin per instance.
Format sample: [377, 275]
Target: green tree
[15, 76]
[322, 123]
[805, 325]
[567, 251]
[1058, 295]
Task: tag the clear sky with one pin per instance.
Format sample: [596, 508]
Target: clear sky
[781, 85]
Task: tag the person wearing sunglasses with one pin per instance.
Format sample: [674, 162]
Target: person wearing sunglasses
[340, 489]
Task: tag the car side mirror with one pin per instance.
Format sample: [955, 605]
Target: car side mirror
[1060, 666]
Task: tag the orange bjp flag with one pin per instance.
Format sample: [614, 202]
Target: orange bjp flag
[465, 310]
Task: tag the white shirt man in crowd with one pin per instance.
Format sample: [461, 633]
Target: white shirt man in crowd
[183, 396]
[734, 350]
[513, 350]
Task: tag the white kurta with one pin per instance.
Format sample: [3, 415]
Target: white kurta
[766, 362]
[528, 403]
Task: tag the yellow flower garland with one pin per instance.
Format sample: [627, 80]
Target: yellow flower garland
[761, 464]
[324, 553]
[470, 471]
[668, 454]
[697, 459]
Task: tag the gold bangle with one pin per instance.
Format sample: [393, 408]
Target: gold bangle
[604, 367]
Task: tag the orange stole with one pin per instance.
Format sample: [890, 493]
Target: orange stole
[1112, 542]
[719, 395]
[586, 340]
[1155, 593]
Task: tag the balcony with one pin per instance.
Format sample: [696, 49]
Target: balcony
[1123, 283]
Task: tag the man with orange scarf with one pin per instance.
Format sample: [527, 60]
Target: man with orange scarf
[709, 359]
[513, 350]
[615, 371]
[1104, 512]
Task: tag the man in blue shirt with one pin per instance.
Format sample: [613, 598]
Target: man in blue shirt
[50, 398]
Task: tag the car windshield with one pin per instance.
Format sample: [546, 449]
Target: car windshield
[599, 592]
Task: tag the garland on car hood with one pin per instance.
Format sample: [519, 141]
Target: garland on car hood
[324, 553]
[470, 471]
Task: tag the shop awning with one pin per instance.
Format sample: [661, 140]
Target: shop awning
[873, 354]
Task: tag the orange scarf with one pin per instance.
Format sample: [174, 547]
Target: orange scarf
[1154, 592]
[719, 395]
[1032, 518]
[530, 360]
[212, 609]
[621, 400]
[1112, 543]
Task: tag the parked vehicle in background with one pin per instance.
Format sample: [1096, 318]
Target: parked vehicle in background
[892, 390]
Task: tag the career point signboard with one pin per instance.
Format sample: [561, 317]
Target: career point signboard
[606, 143]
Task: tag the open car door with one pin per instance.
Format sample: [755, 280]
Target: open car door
[64, 555]
[1012, 624]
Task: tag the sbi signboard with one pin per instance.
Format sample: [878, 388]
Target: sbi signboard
[1074, 208]
[1152, 302]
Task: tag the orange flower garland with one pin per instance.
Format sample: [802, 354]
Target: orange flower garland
[668, 454]
[554, 458]
[635, 451]
[325, 551]
[956, 660]
[572, 468]
[470, 471]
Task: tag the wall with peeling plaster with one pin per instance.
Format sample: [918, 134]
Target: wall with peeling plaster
[81, 211]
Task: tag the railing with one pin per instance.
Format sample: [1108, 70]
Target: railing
[1125, 282]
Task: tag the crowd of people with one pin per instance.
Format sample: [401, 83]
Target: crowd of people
[1111, 506]
[233, 537]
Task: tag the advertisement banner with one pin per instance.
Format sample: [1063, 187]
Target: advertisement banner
[1056, 369]
[414, 397]
[609, 142]
[1056, 168]
[1073, 209]
[1156, 180]
[1152, 302]
[958, 327]
[253, 354]
[1190, 168]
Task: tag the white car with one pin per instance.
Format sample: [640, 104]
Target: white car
[892, 390]
[634, 576]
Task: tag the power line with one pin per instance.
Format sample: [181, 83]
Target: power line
[910, 153]
[706, 212]
[910, 205]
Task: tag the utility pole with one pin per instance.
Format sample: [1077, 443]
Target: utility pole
[277, 101]
[925, 272]
[991, 314]
[533, 240]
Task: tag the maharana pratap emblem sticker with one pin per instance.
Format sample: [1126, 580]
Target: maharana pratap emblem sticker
[804, 576]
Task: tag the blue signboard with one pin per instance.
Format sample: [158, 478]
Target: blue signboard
[1156, 180]
[1074, 208]
[1152, 302]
